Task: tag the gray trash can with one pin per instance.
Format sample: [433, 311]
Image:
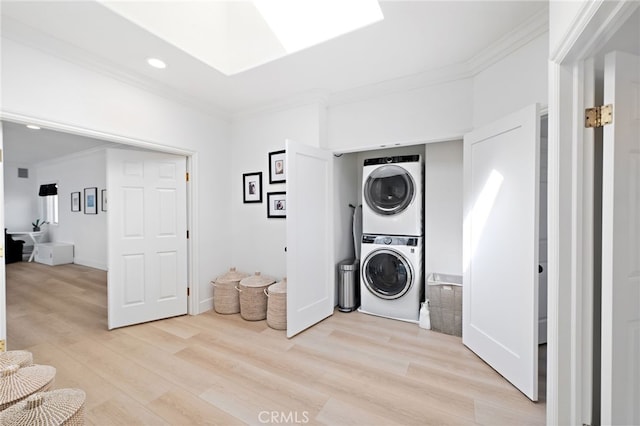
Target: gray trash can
[348, 285]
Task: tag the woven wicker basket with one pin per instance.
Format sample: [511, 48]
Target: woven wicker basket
[18, 383]
[277, 305]
[58, 407]
[225, 295]
[22, 358]
[253, 300]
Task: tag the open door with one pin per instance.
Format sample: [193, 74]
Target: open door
[500, 247]
[310, 260]
[3, 275]
[620, 387]
[147, 236]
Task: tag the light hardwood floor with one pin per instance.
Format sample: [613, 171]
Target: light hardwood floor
[351, 369]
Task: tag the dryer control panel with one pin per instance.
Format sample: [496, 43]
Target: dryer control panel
[389, 240]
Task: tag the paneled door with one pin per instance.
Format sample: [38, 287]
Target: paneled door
[620, 385]
[500, 246]
[310, 261]
[147, 241]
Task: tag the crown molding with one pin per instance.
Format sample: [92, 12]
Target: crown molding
[312, 97]
[31, 37]
[401, 84]
[530, 30]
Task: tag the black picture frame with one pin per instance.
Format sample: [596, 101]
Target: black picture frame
[277, 205]
[277, 167]
[76, 205]
[252, 187]
[103, 200]
[91, 200]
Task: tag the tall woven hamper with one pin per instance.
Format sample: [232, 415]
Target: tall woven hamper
[58, 407]
[225, 295]
[253, 300]
[277, 305]
[18, 383]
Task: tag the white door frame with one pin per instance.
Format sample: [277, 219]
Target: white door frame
[193, 307]
[570, 235]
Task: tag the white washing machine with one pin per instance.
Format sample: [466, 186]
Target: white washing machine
[391, 276]
[392, 193]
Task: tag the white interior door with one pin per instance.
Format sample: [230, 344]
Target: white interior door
[147, 226]
[620, 387]
[3, 276]
[500, 247]
[310, 260]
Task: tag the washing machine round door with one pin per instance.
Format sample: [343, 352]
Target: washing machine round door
[389, 190]
[387, 274]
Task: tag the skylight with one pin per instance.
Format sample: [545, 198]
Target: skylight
[233, 36]
[300, 24]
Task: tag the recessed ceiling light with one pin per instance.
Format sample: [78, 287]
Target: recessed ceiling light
[33, 127]
[157, 63]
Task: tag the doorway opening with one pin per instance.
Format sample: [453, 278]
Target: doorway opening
[82, 147]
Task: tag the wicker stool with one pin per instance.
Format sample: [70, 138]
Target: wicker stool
[18, 383]
[225, 295]
[22, 358]
[58, 407]
[253, 300]
[277, 305]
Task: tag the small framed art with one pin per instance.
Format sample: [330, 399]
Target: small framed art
[75, 202]
[252, 187]
[277, 204]
[277, 167]
[91, 200]
[103, 196]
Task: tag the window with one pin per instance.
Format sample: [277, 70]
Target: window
[49, 203]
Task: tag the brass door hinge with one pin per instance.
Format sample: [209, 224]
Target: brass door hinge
[598, 116]
[188, 291]
[0, 156]
[3, 345]
[187, 176]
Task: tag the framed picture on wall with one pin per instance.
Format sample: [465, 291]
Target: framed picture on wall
[103, 196]
[75, 202]
[252, 187]
[277, 204]
[91, 201]
[277, 167]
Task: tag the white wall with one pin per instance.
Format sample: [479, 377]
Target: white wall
[87, 232]
[436, 112]
[43, 87]
[562, 18]
[511, 84]
[443, 208]
[20, 198]
[258, 242]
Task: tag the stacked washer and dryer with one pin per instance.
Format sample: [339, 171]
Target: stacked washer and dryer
[391, 276]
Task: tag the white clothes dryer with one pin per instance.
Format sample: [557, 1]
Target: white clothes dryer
[391, 276]
[392, 193]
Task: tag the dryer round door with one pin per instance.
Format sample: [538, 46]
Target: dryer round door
[389, 190]
[387, 274]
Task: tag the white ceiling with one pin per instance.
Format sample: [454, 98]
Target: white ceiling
[415, 38]
[24, 147]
